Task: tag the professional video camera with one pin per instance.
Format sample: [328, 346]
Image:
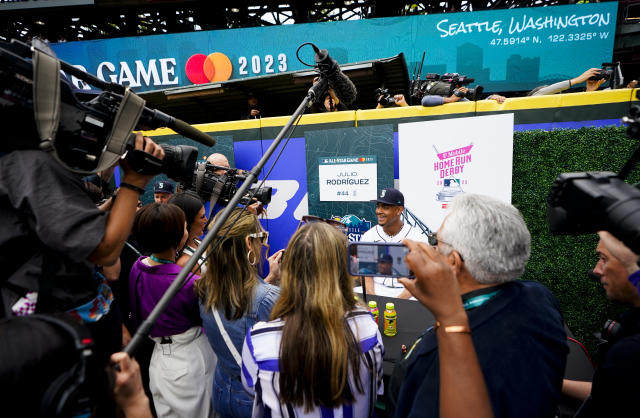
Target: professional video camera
[205, 182]
[582, 203]
[610, 72]
[449, 84]
[41, 110]
[383, 97]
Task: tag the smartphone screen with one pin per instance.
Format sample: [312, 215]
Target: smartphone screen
[382, 259]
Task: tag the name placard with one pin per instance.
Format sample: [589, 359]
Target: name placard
[351, 179]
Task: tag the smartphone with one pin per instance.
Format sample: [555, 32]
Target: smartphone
[383, 259]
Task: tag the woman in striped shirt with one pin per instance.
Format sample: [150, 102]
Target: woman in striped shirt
[321, 354]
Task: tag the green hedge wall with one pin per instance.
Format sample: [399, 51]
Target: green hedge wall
[561, 262]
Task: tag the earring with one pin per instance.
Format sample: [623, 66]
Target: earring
[249, 254]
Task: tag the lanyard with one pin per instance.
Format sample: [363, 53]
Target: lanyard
[469, 304]
[160, 260]
[479, 300]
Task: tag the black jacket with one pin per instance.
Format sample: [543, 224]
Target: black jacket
[521, 346]
[615, 384]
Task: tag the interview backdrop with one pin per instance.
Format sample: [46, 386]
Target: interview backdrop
[513, 49]
[441, 159]
[363, 156]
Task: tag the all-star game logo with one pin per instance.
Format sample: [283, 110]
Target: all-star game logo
[355, 226]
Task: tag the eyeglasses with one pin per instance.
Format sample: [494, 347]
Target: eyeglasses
[433, 240]
[262, 234]
[336, 224]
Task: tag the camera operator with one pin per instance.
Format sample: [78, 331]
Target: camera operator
[52, 234]
[613, 392]
[458, 95]
[588, 76]
[257, 208]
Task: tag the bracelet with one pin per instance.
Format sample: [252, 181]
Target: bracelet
[129, 186]
[464, 329]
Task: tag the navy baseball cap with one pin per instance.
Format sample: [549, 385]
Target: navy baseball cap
[390, 196]
[164, 186]
[385, 258]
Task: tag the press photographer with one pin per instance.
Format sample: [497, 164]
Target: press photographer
[593, 77]
[53, 235]
[581, 203]
[385, 99]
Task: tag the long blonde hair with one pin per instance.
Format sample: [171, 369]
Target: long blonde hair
[230, 278]
[318, 351]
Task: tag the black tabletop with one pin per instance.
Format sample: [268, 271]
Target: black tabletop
[412, 320]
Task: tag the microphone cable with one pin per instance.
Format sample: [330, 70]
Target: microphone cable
[252, 194]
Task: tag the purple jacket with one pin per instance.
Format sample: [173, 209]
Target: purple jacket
[147, 284]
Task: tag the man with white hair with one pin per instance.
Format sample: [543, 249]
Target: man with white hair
[516, 326]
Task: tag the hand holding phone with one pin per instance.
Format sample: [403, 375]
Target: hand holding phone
[381, 259]
[435, 285]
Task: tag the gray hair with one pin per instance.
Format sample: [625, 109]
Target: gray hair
[490, 235]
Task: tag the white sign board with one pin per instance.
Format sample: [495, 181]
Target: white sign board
[348, 179]
[442, 158]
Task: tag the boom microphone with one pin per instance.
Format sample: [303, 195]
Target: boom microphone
[340, 83]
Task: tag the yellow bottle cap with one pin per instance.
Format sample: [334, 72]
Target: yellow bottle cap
[373, 304]
[390, 306]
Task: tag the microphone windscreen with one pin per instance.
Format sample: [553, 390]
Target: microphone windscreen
[343, 86]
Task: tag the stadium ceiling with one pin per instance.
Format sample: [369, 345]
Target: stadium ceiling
[118, 18]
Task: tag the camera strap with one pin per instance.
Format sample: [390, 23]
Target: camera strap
[215, 192]
[125, 121]
[200, 170]
[46, 97]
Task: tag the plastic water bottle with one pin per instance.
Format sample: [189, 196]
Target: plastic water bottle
[373, 308]
[390, 320]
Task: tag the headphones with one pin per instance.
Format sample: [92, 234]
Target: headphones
[69, 394]
[612, 330]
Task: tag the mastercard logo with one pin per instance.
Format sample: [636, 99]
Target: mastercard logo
[361, 159]
[202, 68]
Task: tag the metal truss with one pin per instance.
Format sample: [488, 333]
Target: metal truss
[109, 18]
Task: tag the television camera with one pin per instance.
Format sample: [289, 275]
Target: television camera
[587, 202]
[449, 84]
[40, 109]
[221, 183]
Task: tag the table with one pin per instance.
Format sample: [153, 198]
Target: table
[412, 319]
